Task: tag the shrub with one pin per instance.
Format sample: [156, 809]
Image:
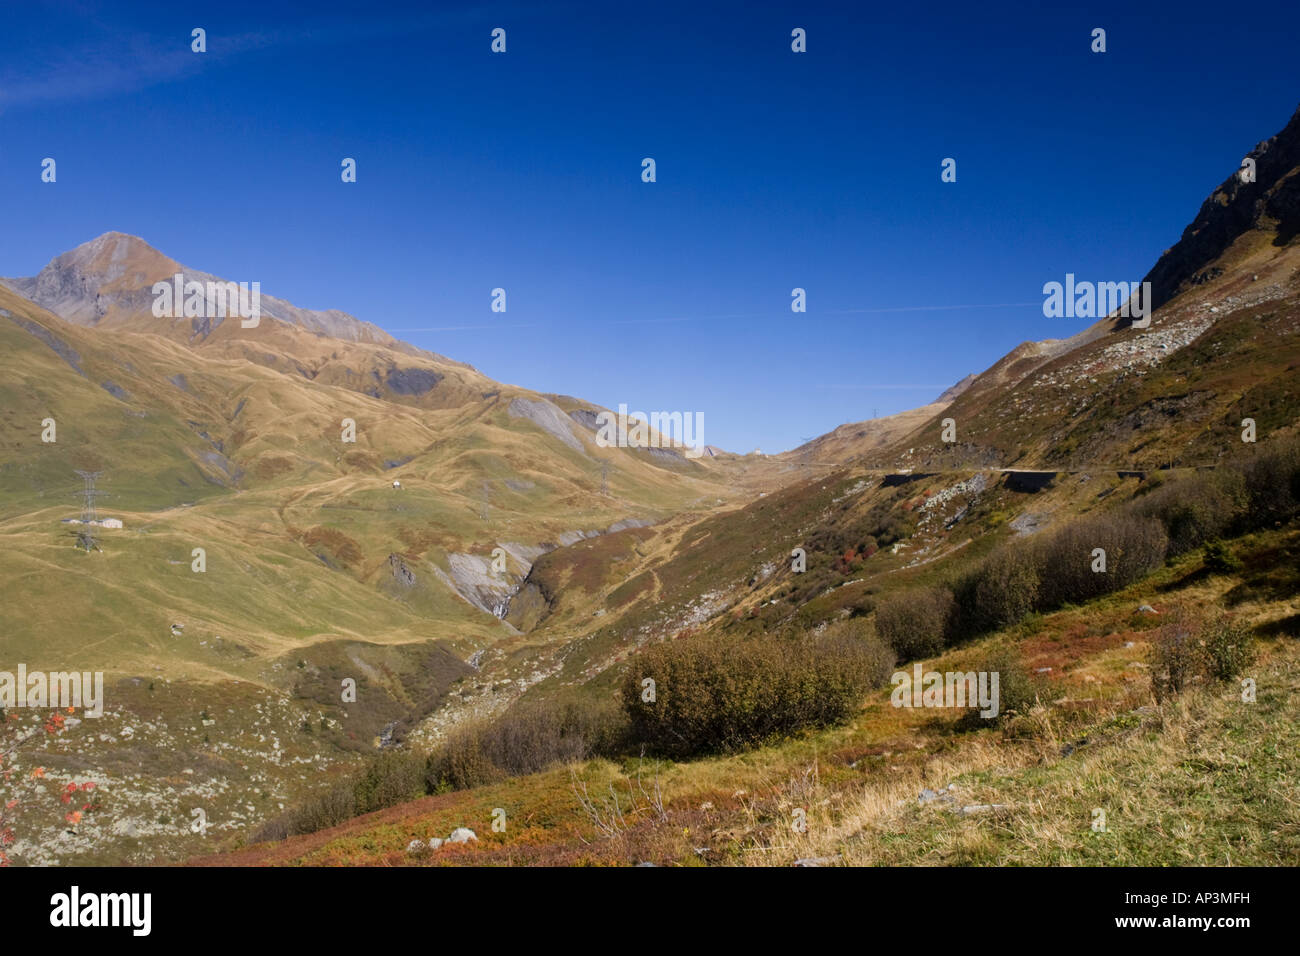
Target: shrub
[1065, 566]
[390, 778]
[1229, 647]
[335, 806]
[1134, 548]
[1175, 655]
[1219, 559]
[1272, 484]
[1188, 647]
[460, 763]
[1002, 590]
[1022, 577]
[1195, 509]
[891, 530]
[528, 737]
[727, 692]
[862, 607]
[393, 777]
[1018, 690]
[1142, 547]
[915, 623]
[533, 736]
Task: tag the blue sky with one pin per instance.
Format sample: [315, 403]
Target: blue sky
[775, 170]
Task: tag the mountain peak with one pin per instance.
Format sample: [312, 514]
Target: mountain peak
[118, 247]
[1260, 211]
[77, 284]
[119, 243]
[111, 236]
[112, 277]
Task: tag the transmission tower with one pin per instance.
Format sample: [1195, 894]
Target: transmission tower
[89, 514]
[604, 478]
[483, 511]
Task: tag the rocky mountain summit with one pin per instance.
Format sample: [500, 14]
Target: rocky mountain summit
[111, 278]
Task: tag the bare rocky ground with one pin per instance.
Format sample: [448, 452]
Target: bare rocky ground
[235, 752]
[477, 699]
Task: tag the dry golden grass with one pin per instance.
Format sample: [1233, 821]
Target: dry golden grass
[1203, 780]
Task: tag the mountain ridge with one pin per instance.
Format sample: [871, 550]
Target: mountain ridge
[1026, 409]
[111, 277]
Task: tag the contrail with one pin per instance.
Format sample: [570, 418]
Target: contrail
[466, 328]
[933, 308]
[903, 387]
[814, 312]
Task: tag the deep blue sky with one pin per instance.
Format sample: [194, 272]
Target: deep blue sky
[522, 170]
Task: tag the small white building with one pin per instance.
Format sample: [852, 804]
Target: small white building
[397, 485]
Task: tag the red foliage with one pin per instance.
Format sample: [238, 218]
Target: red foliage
[9, 745]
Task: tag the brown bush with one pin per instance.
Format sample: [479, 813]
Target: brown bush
[393, 777]
[1195, 509]
[1175, 654]
[1134, 548]
[915, 623]
[1018, 690]
[390, 778]
[460, 763]
[1190, 646]
[533, 736]
[1272, 484]
[1229, 647]
[336, 805]
[728, 692]
[529, 737]
[1003, 589]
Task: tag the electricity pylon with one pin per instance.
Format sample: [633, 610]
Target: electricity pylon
[89, 515]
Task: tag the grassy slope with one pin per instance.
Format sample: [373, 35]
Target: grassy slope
[245, 462]
[298, 544]
[1204, 779]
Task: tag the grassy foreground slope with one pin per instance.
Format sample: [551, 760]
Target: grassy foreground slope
[1200, 778]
